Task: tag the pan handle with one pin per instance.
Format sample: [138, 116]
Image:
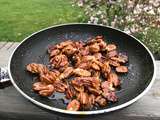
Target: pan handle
[4, 76]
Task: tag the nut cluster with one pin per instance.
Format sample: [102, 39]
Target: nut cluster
[86, 72]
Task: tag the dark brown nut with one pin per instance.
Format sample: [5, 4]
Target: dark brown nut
[62, 69]
[94, 40]
[69, 50]
[88, 58]
[59, 61]
[83, 98]
[111, 47]
[60, 86]
[113, 78]
[48, 91]
[38, 86]
[114, 63]
[98, 56]
[43, 89]
[91, 41]
[107, 91]
[120, 58]
[84, 65]
[90, 103]
[56, 72]
[95, 74]
[79, 81]
[78, 88]
[106, 69]
[112, 53]
[102, 45]
[55, 52]
[92, 99]
[99, 37]
[95, 66]
[49, 77]
[37, 68]
[84, 51]
[64, 44]
[95, 82]
[107, 86]
[111, 96]
[87, 81]
[122, 69]
[98, 63]
[51, 47]
[124, 57]
[81, 72]
[76, 59]
[74, 105]
[66, 73]
[79, 44]
[94, 91]
[94, 48]
[70, 92]
[101, 101]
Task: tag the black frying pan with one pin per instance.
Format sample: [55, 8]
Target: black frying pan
[33, 49]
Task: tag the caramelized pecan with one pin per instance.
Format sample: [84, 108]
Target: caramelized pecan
[101, 101]
[114, 63]
[111, 47]
[112, 53]
[64, 44]
[66, 73]
[94, 48]
[55, 52]
[81, 72]
[70, 92]
[43, 89]
[113, 78]
[49, 77]
[121, 69]
[59, 61]
[37, 68]
[83, 98]
[60, 86]
[74, 105]
[69, 50]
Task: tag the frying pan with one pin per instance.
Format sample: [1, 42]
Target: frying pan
[33, 49]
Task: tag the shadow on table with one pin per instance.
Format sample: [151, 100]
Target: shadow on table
[5, 84]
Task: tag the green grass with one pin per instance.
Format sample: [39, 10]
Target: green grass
[151, 39]
[19, 18]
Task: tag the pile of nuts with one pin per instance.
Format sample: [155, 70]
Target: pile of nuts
[86, 72]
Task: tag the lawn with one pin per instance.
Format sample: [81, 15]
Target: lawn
[19, 18]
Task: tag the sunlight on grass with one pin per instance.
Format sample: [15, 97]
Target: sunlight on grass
[19, 18]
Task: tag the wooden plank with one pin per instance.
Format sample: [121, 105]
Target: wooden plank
[15, 44]
[147, 107]
[9, 45]
[14, 106]
[5, 52]
[2, 44]
[158, 69]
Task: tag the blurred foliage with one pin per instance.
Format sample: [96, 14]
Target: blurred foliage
[140, 18]
[151, 39]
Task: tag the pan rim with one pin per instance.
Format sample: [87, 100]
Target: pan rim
[83, 112]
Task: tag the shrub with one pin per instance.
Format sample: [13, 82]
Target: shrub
[137, 17]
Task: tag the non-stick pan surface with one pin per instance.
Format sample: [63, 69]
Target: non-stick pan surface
[34, 49]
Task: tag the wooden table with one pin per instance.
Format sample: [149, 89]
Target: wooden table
[14, 106]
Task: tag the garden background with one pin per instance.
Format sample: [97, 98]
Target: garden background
[141, 18]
